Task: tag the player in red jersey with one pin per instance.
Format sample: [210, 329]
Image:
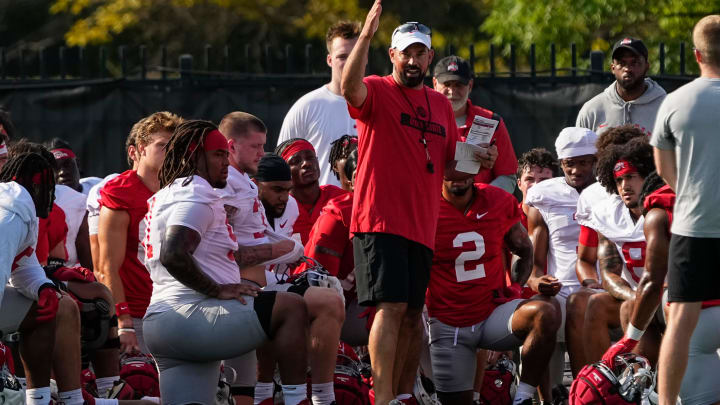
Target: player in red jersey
[123, 205]
[468, 303]
[308, 192]
[621, 246]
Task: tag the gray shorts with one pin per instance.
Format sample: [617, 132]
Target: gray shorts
[452, 349]
[700, 384]
[189, 342]
[13, 309]
[138, 325]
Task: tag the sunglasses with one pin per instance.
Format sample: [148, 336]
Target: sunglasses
[413, 26]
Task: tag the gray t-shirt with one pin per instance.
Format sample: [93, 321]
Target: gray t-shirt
[689, 122]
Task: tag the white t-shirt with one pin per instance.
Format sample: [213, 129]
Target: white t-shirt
[74, 204]
[18, 239]
[320, 117]
[88, 183]
[612, 219]
[199, 207]
[557, 203]
[245, 211]
[93, 204]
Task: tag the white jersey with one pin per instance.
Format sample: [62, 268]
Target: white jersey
[320, 117]
[557, 203]
[590, 197]
[197, 206]
[88, 183]
[246, 213]
[18, 238]
[283, 224]
[93, 204]
[74, 205]
[611, 218]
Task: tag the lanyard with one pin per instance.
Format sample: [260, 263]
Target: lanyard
[423, 140]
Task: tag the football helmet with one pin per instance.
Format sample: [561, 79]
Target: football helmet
[630, 381]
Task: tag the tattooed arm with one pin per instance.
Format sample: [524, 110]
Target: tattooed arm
[611, 265]
[247, 256]
[518, 242]
[176, 253]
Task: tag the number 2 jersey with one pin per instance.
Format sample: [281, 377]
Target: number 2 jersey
[468, 262]
[611, 218]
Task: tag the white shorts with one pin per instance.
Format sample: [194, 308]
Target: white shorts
[452, 349]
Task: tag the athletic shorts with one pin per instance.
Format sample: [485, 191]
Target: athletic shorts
[390, 268]
[452, 349]
[700, 383]
[13, 309]
[694, 269]
[189, 342]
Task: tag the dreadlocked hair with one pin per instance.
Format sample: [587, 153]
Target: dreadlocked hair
[341, 149]
[636, 151]
[651, 184]
[24, 168]
[25, 146]
[182, 150]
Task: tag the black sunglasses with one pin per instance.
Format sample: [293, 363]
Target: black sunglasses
[413, 26]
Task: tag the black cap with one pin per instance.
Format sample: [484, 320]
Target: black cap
[636, 46]
[272, 168]
[453, 68]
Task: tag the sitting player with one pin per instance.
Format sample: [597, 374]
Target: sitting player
[274, 183]
[621, 246]
[308, 192]
[469, 306]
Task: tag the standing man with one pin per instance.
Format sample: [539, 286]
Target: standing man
[685, 131]
[407, 136]
[454, 79]
[321, 116]
[633, 98]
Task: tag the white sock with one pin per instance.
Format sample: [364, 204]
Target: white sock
[263, 391]
[105, 384]
[401, 397]
[476, 396]
[524, 391]
[101, 401]
[37, 396]
[73, 397]
[151, 399]
[323, 394]
[294, 394]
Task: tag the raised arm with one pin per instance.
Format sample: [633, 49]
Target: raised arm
[611, 265]
[351, 85]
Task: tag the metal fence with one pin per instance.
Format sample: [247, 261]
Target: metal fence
[155, 63]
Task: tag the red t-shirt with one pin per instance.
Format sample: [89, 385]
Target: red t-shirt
[309, 213]
[127, 192]
[468, 261]
[506, 163]
[394, 191]
[51, 231]
[332, 231]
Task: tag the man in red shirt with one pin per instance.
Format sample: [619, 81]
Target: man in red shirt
[407, 136]
[453, 77]
[305, 173]
[469, 306]
[123, 203]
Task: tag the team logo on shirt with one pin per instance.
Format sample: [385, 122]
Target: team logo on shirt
[421, 112]
[422, 125]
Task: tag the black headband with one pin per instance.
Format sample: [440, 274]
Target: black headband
[272, 168]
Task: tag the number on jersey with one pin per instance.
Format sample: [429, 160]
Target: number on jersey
[471, 255]
[634, 255]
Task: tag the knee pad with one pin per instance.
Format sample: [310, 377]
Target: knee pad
[95, 323]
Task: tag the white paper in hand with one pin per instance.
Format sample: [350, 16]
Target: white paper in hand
[465, 157]
[482, 130]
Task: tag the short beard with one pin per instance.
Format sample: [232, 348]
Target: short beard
[412, 82]
[640, 82]
[459, 191]
[458, 104]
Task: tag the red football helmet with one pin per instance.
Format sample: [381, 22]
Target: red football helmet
[631, 380]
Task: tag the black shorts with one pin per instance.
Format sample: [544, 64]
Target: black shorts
[390, 268]
[693, 269]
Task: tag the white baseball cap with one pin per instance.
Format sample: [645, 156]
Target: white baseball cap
[411, 33]
[575, 141]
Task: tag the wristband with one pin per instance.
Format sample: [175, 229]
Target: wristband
[126, 330]
[633, 332]
[122, 308]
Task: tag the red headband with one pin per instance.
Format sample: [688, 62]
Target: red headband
[623, 167]
[62, 153]
[214, 140]
[295, 147]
